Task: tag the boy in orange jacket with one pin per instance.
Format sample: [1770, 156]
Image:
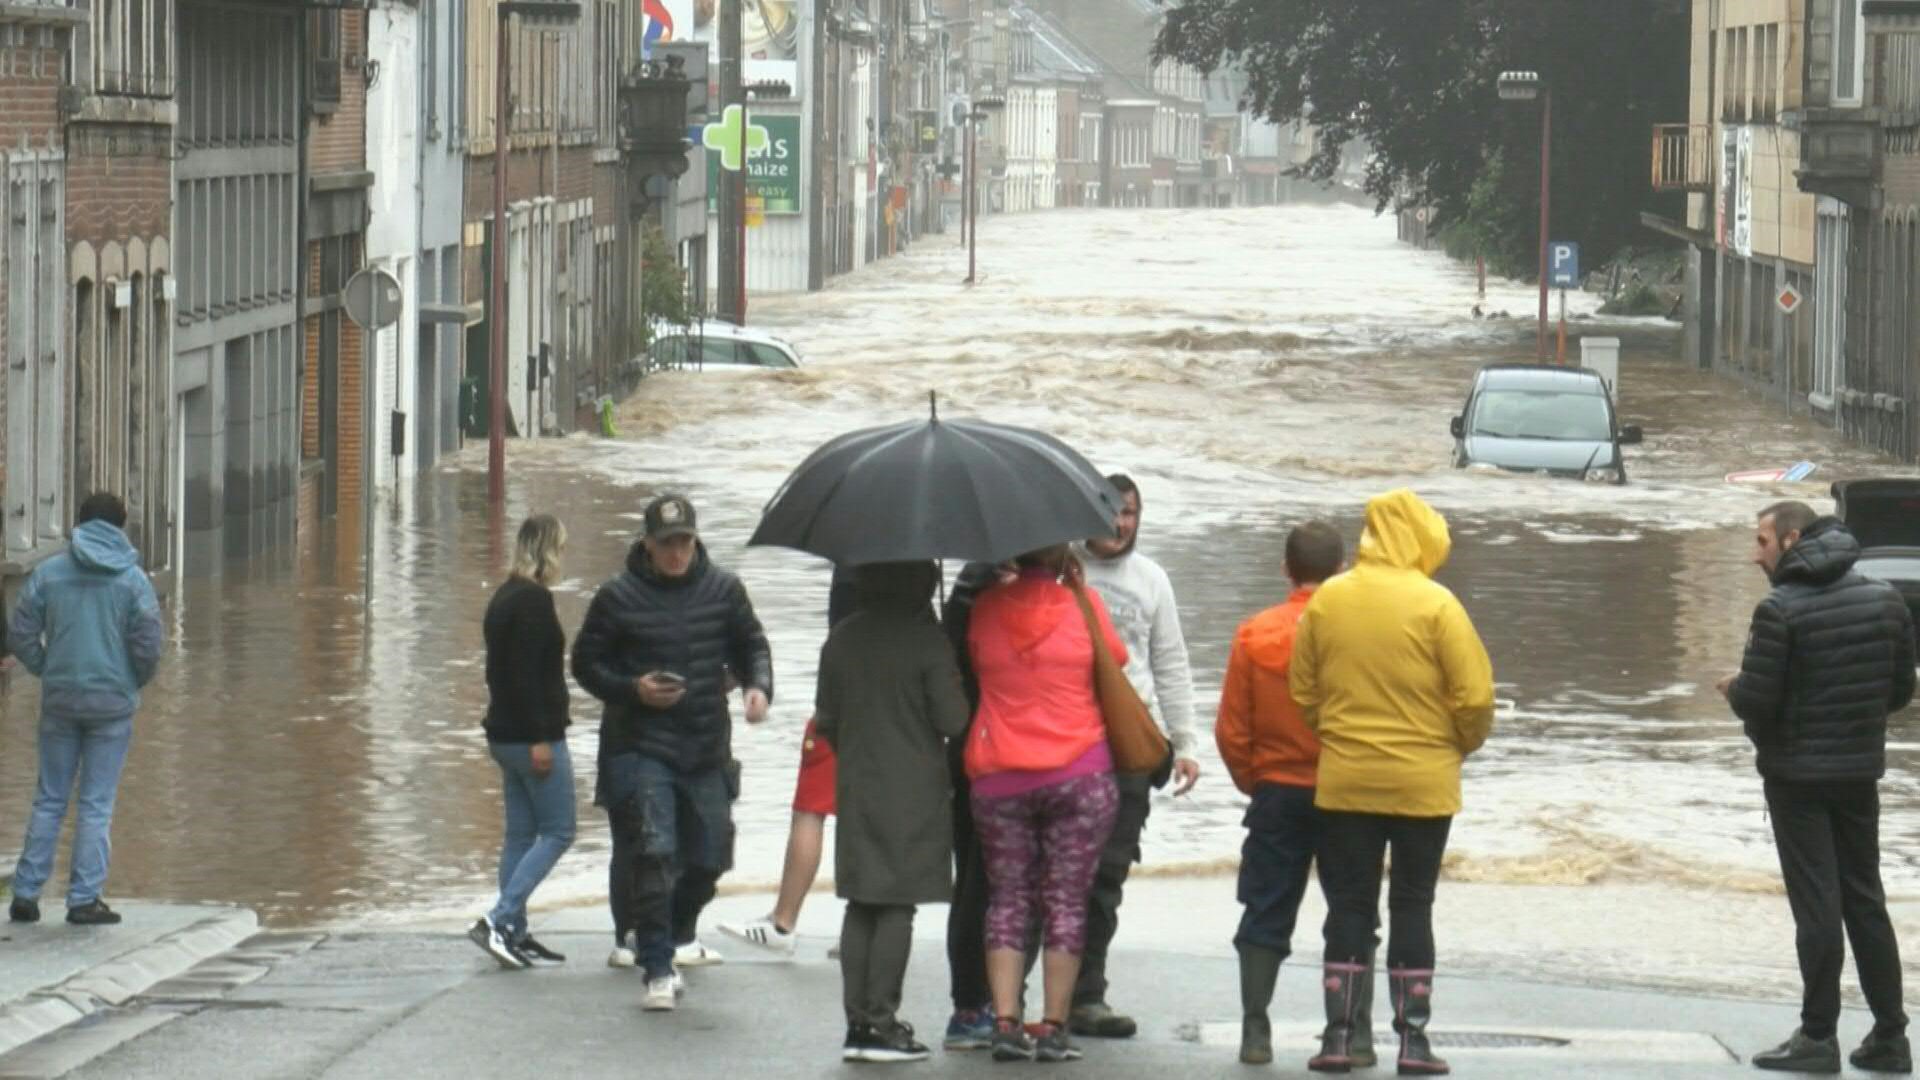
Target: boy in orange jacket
[1273, 756]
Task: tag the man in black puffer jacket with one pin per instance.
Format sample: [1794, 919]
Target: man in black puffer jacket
[1829, 656]
[658, 646]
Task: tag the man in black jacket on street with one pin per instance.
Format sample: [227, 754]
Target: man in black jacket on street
[1829, 656]
[658, 645]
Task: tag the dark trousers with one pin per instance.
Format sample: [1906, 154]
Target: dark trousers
[1103, 904]
[967, 917]
[1352, 847]
[875, 943]
[672, 839]
[1283, 830]
[1829, 841]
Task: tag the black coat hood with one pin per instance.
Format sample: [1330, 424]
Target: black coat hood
[1824, 553]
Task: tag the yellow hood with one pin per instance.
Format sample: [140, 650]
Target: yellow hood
[1404, 532]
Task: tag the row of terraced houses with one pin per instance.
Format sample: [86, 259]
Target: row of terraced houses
[1800, 157]
[189, 185]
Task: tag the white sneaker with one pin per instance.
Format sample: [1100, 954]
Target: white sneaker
[659, 996]
[763, 934]
[679, 984]
[623, 954]
[694, 954]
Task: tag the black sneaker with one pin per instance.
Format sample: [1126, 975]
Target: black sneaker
[1011, 1041]
[893, 1044]
[1884, 1054]
[1053, 1045]
[1801, 1053]
[856, 1044]
[484, 934]
[94, 914]
[24, 910]
[533, 950]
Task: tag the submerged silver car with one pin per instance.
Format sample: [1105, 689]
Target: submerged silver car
[1544, 419]
[1884, 515]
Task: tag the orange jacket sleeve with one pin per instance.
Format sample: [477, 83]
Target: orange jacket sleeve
[1233, 729]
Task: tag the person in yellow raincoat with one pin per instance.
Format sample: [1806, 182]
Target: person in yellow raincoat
[1389, 671]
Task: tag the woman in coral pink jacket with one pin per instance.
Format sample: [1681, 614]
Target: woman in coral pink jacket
[1043, 793]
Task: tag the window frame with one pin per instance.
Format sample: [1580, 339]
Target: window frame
[325, 46]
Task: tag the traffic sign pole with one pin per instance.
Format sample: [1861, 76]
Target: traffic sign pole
[1560, 353]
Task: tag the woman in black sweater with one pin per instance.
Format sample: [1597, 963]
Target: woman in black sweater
[527, 733]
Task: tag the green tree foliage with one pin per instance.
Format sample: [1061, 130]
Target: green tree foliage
[663, 287]
[1416, 79]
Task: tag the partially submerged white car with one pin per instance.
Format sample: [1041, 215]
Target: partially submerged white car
[719, 346]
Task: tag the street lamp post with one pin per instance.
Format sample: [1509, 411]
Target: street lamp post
[539, 13]
[1526, 86]
[982, 109]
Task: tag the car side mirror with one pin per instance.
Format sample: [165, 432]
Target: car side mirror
[1458, 426]
[1631, 435]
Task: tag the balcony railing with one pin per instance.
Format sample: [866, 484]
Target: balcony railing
[1682, 157]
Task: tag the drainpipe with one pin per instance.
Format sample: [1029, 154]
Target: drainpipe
[422, 87]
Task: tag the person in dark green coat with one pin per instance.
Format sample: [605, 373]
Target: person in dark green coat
[889, 696]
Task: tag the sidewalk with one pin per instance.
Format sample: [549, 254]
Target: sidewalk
[55, 975]
[425, 1003]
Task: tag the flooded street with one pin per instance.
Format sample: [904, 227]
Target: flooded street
[1252, 368]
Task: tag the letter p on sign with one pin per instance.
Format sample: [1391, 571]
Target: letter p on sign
[1563, 264]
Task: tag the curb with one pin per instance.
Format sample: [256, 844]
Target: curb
[124, 977]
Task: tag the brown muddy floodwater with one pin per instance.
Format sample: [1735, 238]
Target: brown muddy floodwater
[1252, 368]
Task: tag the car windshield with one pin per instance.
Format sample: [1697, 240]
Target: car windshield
[1542, 414]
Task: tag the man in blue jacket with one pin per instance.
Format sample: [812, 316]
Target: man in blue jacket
[88, 626]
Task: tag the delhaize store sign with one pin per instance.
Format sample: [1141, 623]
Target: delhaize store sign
[773, 161]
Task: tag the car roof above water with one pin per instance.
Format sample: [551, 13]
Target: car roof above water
[1541, 377]
[727, 331]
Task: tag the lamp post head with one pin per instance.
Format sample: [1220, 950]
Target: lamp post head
[1519, 85]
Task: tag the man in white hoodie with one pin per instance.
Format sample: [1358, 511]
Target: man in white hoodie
[1140, 599]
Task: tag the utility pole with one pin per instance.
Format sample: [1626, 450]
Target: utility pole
[497, 303]
[1546, 200]
[733, 184]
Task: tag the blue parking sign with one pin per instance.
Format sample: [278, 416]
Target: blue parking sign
[1563, 264]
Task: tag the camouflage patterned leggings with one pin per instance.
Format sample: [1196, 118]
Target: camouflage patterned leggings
[1042, 849]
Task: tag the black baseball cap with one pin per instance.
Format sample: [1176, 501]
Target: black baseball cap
[671, 515]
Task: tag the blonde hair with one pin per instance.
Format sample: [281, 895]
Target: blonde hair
[536, 554]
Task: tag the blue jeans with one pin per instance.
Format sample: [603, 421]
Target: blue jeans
[1283, 831]
[672, 839]
[93, 751]
[539, 829]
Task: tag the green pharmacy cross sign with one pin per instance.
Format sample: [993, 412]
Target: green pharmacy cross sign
[725, 137]
[772, 158]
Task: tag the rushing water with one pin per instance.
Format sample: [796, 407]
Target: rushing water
[322, 761]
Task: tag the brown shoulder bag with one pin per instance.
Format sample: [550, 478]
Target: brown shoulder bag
[1137, 744]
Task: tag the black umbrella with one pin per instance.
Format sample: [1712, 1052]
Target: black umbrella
[938, 489]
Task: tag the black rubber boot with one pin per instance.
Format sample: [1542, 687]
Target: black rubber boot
[1340, 983]
[1360, 1044]
[1259, 971]
[1412, 993]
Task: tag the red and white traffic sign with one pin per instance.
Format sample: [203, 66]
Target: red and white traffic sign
[1788, 298]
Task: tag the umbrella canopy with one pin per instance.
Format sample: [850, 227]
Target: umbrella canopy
[938, 489]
